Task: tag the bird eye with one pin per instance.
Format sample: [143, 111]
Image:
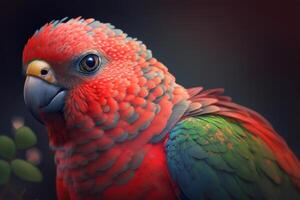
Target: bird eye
[90, 63]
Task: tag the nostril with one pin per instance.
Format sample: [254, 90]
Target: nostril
[44, 72]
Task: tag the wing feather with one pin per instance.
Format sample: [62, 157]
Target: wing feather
[215, 157]
[213, 102]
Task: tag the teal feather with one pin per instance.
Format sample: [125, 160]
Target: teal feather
[214, 157]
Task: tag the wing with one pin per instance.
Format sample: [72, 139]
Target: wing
[213, 102]
[214, 157]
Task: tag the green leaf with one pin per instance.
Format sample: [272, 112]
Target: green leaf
[4, 172]
[7, 147]
[26, 171]
[25, 138]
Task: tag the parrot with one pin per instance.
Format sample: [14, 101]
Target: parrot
[121, 127]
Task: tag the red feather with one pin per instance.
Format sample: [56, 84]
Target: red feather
[109, 141]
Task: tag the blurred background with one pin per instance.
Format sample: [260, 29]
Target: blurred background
[250, 49]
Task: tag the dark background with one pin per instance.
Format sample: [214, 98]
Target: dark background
[252, 50]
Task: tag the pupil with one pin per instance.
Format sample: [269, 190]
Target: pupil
[90, 62]
[44, 72]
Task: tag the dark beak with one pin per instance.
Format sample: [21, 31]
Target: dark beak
[42, 96]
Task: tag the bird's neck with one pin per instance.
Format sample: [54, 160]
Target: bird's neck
[111, 148]
[56, 128]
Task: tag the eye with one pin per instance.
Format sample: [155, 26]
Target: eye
[90, 63]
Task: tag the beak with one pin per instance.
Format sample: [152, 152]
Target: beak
[41, 94]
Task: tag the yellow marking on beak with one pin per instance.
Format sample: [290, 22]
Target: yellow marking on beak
[41, 69]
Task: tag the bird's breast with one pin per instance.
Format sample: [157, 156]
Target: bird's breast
[116, 174]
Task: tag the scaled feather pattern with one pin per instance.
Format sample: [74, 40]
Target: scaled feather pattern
[131, 132]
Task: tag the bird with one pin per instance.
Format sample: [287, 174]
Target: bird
[121, 127]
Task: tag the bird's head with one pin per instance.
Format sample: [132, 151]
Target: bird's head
[86, 70]
[64, 57]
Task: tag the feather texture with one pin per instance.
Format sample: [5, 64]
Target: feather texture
[254, 124]
[109, 139]
[215, 157]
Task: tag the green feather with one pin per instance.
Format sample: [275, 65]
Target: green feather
[212, 157]
[233, 187]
